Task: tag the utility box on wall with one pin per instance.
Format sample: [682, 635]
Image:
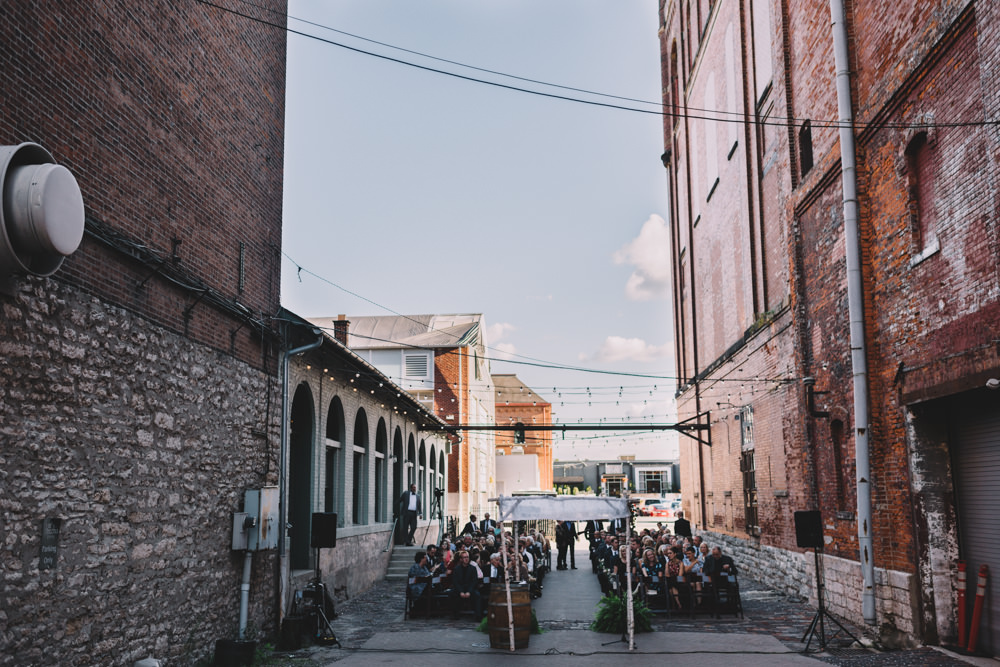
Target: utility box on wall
[256, 527]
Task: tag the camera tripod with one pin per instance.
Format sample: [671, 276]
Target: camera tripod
[436, 510]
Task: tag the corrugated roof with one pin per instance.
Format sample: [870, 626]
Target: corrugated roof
[510, 389]
[395, 331]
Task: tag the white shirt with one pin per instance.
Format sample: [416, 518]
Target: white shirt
[413, 502]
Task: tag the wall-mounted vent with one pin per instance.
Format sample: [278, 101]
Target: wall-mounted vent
[416, 365]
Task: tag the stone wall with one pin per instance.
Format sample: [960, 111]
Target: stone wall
[143, 444]
[794, 573]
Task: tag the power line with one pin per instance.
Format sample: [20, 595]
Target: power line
[450, 62]
[529, 361]
[738, 117]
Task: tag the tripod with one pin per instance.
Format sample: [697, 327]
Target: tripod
[822, 613]
[436, 510]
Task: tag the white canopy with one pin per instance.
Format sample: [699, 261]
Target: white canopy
[563, 508]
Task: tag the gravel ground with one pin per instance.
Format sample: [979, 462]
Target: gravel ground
[380, 609]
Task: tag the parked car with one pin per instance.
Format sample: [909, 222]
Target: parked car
[661, 511]
[647, 505]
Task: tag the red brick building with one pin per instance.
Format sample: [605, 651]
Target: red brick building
[441, 360]
[518, 404]
[139, 393]
[762, 300]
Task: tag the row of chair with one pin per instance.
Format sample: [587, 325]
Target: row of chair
[714, 596]
[435, 600]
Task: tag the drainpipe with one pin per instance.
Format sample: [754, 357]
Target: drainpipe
[855, 302]
[283, 472]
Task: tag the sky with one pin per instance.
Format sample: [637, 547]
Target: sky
[409, 191]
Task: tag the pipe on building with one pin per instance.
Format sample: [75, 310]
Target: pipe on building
[283, 471]
[859, 366]
[245, 593]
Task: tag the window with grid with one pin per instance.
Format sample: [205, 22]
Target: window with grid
[749, 469]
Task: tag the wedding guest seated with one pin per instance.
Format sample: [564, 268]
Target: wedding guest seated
[465, 585]
[718, 564]
[416, 587]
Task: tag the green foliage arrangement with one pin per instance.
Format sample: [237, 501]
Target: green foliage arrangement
[484, 625]
[612, 615]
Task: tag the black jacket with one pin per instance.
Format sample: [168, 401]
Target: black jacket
[713, 565]
[404, 502]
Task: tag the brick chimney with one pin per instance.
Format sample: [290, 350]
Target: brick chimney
[340, 328]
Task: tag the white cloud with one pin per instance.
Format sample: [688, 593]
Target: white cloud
[504, 351]
[495, 332]
[649, 253]
[618, 348]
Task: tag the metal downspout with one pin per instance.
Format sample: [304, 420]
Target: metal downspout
[283, 473]
[855, 300]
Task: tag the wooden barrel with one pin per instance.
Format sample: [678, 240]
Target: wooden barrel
[498, 622]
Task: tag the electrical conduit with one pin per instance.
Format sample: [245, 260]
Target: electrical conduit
[855, 300]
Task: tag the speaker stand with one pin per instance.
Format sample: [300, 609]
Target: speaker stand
[822, 614]
[324, 633]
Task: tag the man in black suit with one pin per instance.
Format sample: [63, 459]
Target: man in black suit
[487, 525]
[470, 526]
[465, 585]
[571, 533]
[409, 509]
[717, 564]
[591, 529]
[682, 527]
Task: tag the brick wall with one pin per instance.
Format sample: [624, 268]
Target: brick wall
[536, 442]
[170, 115]
[139, 393]
[929, 308]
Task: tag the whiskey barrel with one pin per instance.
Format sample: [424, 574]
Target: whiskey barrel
[498, 622]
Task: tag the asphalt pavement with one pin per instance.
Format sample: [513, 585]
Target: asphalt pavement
[372, 630]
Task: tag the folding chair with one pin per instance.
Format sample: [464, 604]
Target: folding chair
[415, 604]
[654, 594]
[440, 597]
[727, 595]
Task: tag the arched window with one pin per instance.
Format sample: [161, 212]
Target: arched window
[441, 470]
[411, 459]
[381, 470]
[432, 458]
[333, 464]
[359, 509]
[397, 478]
[300, 486]
[422, 477]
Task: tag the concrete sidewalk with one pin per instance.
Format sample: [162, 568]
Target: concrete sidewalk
[573, 647]
[569, 595]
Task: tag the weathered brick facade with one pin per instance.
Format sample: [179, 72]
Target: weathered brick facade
[518, 404]
[139, 396]
[761, 298]
[362, 428]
